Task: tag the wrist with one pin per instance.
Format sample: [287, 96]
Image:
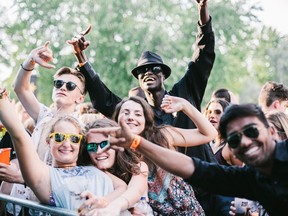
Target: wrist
[127, 202]
[135, 142]
[81, 58]
[28, 65]
[103, 202]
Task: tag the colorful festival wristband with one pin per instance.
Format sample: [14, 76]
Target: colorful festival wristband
[136, 142]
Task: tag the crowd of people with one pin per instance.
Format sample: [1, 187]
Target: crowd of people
[151, 153]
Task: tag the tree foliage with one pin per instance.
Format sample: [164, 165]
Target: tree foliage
[122, 30]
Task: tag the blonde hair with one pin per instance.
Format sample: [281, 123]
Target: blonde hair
[68, 70]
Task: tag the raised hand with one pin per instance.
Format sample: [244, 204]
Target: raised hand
[78, 41]
[172, 104]
[42, 55]
[201, 2]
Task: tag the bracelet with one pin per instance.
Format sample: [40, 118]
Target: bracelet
[4, 93]
[26, 68]
[126, 201]
[136, 142]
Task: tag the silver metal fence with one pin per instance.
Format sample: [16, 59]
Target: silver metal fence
[34, 207]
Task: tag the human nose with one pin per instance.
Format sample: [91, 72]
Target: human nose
[130, 117]
[149, 71]
[66, 141]
[244, 141]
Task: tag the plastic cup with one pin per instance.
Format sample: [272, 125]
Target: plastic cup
[5, 155]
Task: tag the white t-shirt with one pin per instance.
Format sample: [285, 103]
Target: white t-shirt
[68, 184]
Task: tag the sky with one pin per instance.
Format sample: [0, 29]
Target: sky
[275, 14]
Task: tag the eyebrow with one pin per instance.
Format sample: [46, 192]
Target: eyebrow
[246, 126]
[132, 110]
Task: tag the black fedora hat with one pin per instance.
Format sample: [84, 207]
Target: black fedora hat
[151, 58]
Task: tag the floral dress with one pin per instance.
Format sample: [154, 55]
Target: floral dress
[171, 195]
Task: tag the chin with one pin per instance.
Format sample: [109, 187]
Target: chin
[135, 131]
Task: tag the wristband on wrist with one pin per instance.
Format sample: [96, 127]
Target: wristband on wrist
[82, 64]
[135, 142]
[26, 68]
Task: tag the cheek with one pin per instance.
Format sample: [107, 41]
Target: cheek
[143, 122]
[92, 157]
[53, 148]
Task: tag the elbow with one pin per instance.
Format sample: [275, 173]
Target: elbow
[17, 88]
[214, 133]
[121, 188]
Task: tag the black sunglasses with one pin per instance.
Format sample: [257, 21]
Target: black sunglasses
[70, 86]
[93, 147]
[234, 139]
[153, 69]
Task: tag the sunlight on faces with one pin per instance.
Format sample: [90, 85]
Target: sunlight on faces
[134, 116]
[102, 160]
[62, 96]
[214, 113]
[252, 151]
[65, 153]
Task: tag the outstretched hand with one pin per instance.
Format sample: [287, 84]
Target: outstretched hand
[78, 41]
[42, 55]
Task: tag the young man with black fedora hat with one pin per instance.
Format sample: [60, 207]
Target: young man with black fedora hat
[152, 72]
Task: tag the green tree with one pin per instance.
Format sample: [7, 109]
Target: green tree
[122, 30]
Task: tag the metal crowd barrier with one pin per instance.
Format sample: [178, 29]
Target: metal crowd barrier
[35, 207]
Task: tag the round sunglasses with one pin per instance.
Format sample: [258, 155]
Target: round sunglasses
[70, 86]
[234, 139]
[153, 69]
[59, 138]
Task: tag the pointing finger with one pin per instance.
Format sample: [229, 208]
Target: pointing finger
[86, 31]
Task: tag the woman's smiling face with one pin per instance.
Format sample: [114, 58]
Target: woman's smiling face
[134, 116]
[102, 160]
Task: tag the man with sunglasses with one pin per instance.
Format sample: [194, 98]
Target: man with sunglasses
[68, 92]
[264, 178]
[152, 73]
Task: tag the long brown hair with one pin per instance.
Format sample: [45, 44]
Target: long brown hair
[150, 132]
[126, 163]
